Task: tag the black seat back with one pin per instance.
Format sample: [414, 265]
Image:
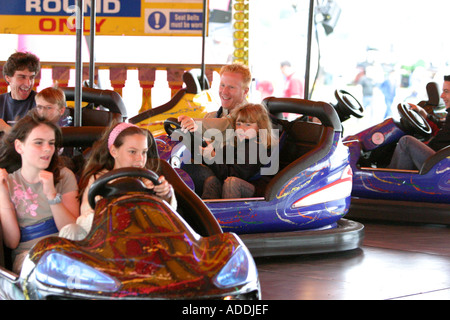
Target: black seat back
[104, 106]
[301, 138]
[82, 137]
[108, 99]
[305, 142]
[94, 117]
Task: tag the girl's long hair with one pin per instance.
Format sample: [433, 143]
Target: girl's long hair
[11, 160]
[100, 159]
[256, 113]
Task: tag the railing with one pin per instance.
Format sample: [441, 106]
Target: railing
[146, 78]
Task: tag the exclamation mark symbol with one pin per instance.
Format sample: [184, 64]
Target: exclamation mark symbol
[157, 18]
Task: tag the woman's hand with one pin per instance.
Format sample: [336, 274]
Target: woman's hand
[48, 187]
[163, 190]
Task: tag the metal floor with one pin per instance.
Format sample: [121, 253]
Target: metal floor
[396, 261]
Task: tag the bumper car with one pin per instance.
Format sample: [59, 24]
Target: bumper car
[301, 210]
[139, 248]
[302, 207]
[418, 196]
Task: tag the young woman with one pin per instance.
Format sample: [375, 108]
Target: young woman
[37, 196]
[242, 158]
[122, 145]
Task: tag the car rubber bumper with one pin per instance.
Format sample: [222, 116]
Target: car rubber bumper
[399, 211]
[348, 235]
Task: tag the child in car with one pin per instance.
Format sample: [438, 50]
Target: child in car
[122, 145]
[242, 157]
[38, 197]
[51, 105]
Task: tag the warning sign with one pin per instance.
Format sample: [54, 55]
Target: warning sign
[172, 22]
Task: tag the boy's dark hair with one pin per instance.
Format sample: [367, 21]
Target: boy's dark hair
[447, 78]
[21, 61]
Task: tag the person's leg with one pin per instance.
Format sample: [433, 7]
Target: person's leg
[198, 174]
[234, 187]
[212, 188]
[410, 154]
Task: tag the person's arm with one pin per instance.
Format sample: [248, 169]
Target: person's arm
[67, 210]
[191, 125]
[164, 190]
[187, 123]
[4, 126]
[419, 110]
[8, 218]
[434, 122]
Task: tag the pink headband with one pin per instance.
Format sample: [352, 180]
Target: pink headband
[117, 130]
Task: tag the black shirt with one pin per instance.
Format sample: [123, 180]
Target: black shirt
[442, 138]
[11, 109]
[245, 160]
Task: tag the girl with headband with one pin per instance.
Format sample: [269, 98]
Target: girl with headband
[122, 145]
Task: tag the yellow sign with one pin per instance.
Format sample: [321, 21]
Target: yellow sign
[113, 17]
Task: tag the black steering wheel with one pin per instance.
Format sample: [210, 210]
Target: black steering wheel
[105, 186]
[413, 122]
[190, 139]
[347, 105]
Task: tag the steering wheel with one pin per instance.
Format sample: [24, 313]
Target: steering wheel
[413, 122]
[172, 125]
[347, 105]
[103, 187]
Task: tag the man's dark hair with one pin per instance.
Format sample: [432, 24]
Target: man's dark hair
[285, 64]
[447, 78]
[21, 61]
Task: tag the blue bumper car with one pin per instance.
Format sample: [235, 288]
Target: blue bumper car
[301, 208]
[380, 193]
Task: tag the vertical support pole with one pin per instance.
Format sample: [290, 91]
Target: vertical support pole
[202, 74]
[91, 46]
[308, 49]
[78, 63]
